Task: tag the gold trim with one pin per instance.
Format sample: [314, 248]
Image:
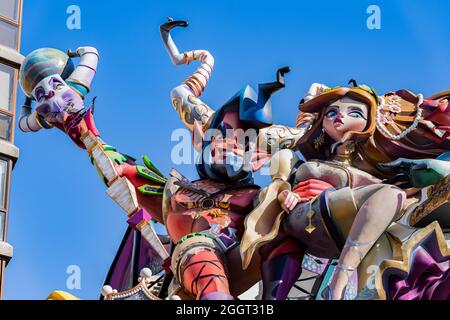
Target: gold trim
[140, 224]
[132, 213]
[111, 182]
[263, 223]
[192, 87]
[192, 82]
[199, 82]
[310, 227]
[36, 116]
[187, 59]
[404, 263]
[91, 148]
[438, 195]
[80, 83]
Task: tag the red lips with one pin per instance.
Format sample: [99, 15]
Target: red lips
[338, 119]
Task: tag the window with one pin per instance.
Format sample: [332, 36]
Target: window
[8, 35]
[2, 226]
[3, 193]
[5, 126]
[7, 94]
[6, 87]
[3, 181]
[9, 9]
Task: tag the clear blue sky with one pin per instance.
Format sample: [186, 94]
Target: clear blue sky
[59, 212]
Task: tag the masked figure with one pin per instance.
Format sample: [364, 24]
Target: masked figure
[337, 205]
[205, 217]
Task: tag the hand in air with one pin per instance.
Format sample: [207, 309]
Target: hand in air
[170, 24]
[416, 173]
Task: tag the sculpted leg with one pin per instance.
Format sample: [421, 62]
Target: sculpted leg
[378, 205]
[198, 266]
[204, 276]
[281, 269]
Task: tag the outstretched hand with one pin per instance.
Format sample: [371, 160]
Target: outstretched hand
[72, 54]
[419, 173]
[170, 24]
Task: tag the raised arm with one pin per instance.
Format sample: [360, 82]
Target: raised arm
[185, 98]
[81, 78]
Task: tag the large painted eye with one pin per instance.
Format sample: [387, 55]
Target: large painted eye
[331, 113]
[356, 114]
[59, 86]
[39, 94]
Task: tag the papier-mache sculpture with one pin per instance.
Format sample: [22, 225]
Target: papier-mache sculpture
[372, 190]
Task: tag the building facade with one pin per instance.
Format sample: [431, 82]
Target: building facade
[10, 60]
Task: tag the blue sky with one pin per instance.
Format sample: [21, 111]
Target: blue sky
[59, 212]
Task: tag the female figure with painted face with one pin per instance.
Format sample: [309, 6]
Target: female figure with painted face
[336, 203]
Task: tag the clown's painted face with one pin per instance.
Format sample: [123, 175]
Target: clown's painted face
[345, 115]
[56, 100]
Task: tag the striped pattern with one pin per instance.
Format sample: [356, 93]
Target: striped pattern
[42, 63]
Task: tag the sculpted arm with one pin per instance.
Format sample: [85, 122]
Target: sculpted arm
[193, 112]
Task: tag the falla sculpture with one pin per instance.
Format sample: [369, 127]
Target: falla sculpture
[372, 190]
[363, 217]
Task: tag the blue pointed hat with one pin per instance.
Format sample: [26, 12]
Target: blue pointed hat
[254, 109]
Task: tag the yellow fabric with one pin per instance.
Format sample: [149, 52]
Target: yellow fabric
[61, 295]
